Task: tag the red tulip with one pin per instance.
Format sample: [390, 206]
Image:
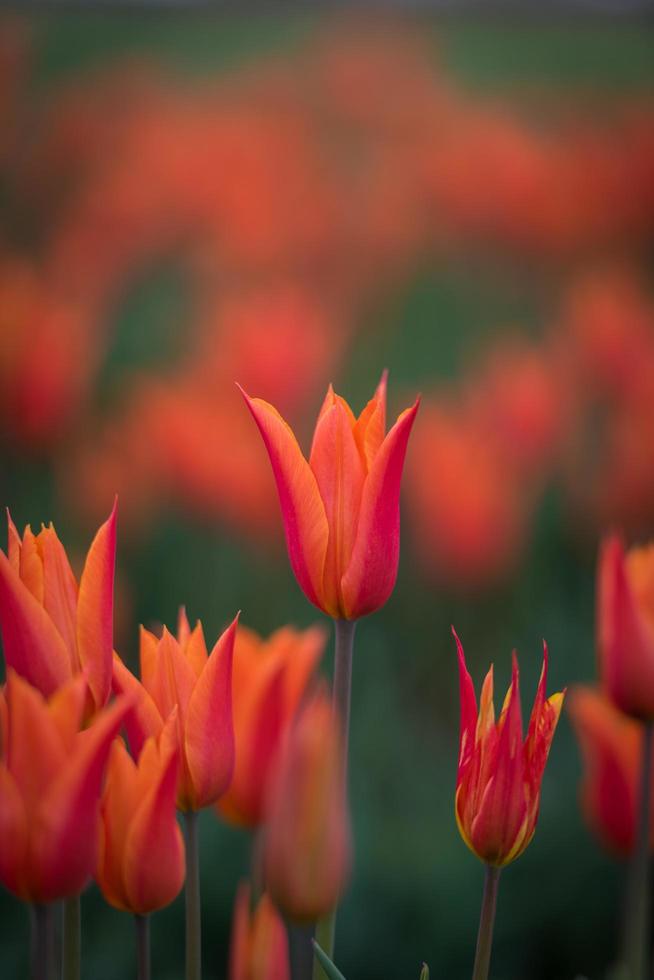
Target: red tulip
[50, 784]
[306, 856]
[270, 679]
[341, 507]
[625, 626]
[178, 673]
[611, 747]
[51, 628]
[259, 947]
[142, 865]
[499, 777]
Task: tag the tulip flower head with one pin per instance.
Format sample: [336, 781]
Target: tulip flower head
[142, 865]
[52, 629]
[270, 678]
[259, 946]
[50, 785]
[611, 747]
[178, 673]
[499, 776]
[341, 507]
[306, 851]
[625, 626]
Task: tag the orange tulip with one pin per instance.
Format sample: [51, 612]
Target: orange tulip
[51, 628]
[625, 626]
[306, 853]
[142, 865]
[50, 784]
[259, 947]
[341, 507]
[179, 673]
[611, 747]
[499, 776]
[270, 679]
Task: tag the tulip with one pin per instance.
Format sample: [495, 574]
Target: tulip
[270, 679]
[499, 775]
[625, 626]
[611, 746]
[177, 672]
[306, 851]
[50, 783]
[51, 628]
[341, 507]
[141, 866]
[259, 947]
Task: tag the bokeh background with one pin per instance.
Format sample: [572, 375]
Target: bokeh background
[187, 200]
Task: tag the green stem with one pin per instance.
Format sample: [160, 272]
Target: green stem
[43, 942]
[193, 907]
[300, 950]
[142, 923]
[637, 932]
[342, 690]
[72, 939]
[486, 924]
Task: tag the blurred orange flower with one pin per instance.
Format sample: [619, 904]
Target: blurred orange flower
[259, 947]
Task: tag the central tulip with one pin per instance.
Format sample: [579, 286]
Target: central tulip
[499, 778]
[51, 628]
[625, 626]
[141, 866]
[178, 674]
[50, 782]
[341, 507]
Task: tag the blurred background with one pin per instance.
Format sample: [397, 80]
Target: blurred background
[187, 200]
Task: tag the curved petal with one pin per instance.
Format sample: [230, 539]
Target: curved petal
[305, 521]
[209, 728]
[13, 834]
[239, 945]
[468, 709]
[95, 611]
[13, 544]
[153, 862]
[67, 709]
[32, 644]
[370, 427]
[35, 750]
[371, 574]
[119, 803]
[59, 590]
[31, 565]
[144, 720]
[65, 832]
[339, 471]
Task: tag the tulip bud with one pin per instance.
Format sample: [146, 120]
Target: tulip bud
[306, 855]
[259, 946]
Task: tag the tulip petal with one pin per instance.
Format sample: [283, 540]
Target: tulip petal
[13, 544]
[65, 832]
[173, 678]
[31, 565]
[209, 741]
[119, 803]
[67, 709]
[371, 574]
[153, 862]
[468, 708]
[195, 649]
[95, 611]
[59, 590]
[370, 427]
[13, 834]
[240, 939]
[35, 750]
[305, 521]
[32, 644]
[144, 720]
[336, 464]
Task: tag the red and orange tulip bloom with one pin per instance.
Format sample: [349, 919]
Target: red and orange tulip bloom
[270, 679]
[306, 854]
[51, 628]
[179, 673]
[611, 747]
[141, 866]
[341, 507]
[259, 946]
[625, 626]
[499, 778]
[50, 785]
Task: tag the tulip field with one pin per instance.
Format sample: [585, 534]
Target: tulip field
[327, 453]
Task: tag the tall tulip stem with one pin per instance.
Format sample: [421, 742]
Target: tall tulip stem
[486, 924]
[193, 907]
[637, 932]
[142, 923]
[43, 942]
[342, 691]
[72, 939]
